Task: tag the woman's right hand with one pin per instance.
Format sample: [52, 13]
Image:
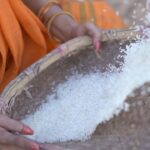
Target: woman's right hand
[10, 131]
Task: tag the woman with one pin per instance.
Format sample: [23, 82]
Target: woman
[30, 29]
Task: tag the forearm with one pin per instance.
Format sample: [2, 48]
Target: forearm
[63, 24]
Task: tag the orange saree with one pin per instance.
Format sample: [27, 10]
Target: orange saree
[24, 39]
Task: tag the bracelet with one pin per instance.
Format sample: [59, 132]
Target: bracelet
[45, 8]
[51, 21]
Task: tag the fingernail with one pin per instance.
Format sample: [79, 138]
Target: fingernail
[27, 130]
[97, 45]
[35, 147]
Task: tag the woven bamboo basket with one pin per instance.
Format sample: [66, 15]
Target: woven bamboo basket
[27, 92]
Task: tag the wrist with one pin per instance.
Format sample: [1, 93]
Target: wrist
[52, 11]
[62, 25]
[68, 27]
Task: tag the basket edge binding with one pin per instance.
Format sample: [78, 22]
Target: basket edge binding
[16, 86]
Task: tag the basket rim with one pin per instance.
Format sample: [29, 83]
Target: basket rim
[15, 87]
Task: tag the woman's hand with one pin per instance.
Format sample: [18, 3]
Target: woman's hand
[89, 29]
[65, 27]
[10, 139]
[10, 131]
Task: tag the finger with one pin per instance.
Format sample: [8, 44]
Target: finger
[95, 33]
[15, 126]
[7, 138]
[97, 45]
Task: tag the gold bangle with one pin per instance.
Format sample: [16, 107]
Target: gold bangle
[51, 21]
[45, 8]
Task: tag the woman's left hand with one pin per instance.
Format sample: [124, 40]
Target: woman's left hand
[89, 29]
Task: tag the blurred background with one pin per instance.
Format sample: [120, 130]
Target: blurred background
[133, 11]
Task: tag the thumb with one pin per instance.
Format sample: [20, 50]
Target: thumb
[14, 126]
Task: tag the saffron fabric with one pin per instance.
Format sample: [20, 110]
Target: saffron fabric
[24, 39]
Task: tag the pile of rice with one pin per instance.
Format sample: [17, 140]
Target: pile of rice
[85, 101]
